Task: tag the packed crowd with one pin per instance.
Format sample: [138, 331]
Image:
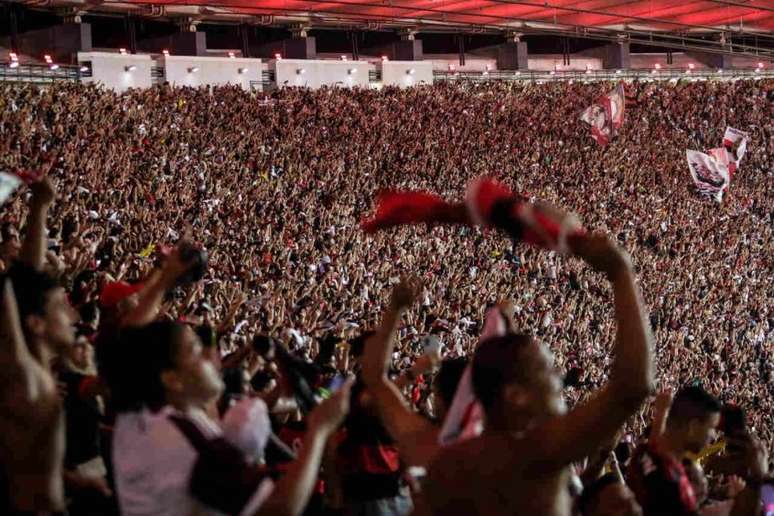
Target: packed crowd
[274, 186]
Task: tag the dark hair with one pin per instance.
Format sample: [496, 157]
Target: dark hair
[207, 335]
[133, 365]
[5, 231]
[448, 378]
[496, 364]
[89, 312]
[31, 288]
[692, 403]
[592, 491]
[234, 381]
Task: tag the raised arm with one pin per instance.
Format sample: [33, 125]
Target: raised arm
[152, 294]
[292, 492]
[33, 249]
[14, 354]
[415, 436]
[583, 430]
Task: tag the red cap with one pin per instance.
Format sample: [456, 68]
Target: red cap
[115, 292]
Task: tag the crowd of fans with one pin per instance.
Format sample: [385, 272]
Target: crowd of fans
[188, 388]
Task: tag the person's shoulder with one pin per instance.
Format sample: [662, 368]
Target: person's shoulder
[463, 454]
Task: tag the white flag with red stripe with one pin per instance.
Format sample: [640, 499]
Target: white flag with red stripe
[606, 115]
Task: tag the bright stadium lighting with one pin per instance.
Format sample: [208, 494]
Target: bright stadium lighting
[54, 66]
[14, 64]
[48, 59]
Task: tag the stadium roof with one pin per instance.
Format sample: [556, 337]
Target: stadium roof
[484, 15]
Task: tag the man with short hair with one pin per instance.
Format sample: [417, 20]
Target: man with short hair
[37, 324]
[657, 475]
[520, 464]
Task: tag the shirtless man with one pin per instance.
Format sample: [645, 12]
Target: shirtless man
[520, 464]
[36, 323]
[32, 430]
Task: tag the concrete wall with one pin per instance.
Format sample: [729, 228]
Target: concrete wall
[110, 69]
[394, 73]
[211, 71]
[321, 73]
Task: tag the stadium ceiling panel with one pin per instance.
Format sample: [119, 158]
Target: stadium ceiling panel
[682, 16]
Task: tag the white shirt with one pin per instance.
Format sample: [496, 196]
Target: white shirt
[153, 462]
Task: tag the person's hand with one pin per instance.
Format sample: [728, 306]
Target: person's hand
[43, 192]
[174, 266]
[329, 414]
[735, 486]
[663, 401]
[404, 293]
[602, 253]
[426, 362]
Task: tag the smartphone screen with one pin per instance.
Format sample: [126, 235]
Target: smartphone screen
[767, 497]
[335, 383]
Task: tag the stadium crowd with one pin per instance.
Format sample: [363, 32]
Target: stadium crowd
[274, 187]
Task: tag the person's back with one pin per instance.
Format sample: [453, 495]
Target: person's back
[153, 461]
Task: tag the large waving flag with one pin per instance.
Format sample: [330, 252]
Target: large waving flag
[606, 115]
[710, 176]
[712, 172]
[735, 143]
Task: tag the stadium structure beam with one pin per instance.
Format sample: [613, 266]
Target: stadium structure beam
[653, 38]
